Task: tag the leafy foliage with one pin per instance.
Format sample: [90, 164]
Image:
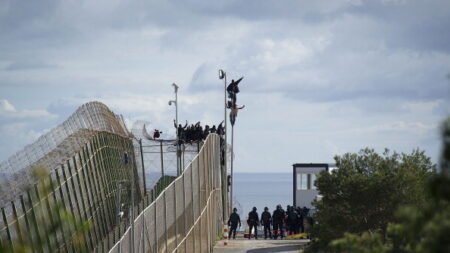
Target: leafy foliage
[420, 228]
[364, 193]
[62, 225]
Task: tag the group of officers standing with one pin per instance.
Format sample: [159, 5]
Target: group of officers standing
[291, 221]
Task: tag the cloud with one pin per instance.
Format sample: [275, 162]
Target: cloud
[319, 77]
[6, 106]
[28, 65]
[7, 110]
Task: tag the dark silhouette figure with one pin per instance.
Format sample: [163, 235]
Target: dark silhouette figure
[292, 218]
[234, 112]
[156, 134]
[233, 222]
[253, 222]
[300, 226]
[266, 221]
[233, 89]
[277, 221]
[181, 130]
[221, 129]
[213, 129]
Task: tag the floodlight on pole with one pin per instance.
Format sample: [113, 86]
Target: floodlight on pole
[221, 74]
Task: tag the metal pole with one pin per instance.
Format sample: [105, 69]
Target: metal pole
[176, 123]
[132, 203]
[225, 194]
[231, 177]
[143, 167]
[162, 158]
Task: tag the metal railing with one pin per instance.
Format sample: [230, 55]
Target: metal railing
[187, 215]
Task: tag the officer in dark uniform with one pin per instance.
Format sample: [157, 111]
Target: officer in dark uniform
[253, 222]
[233, 223]
[277, 221]
[293, 220]
[266, 220]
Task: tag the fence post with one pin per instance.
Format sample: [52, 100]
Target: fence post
[143, 167]
[43, 213]
[8, 233]
[34, 220]
[92, 182]
[184, 212]
[83, 206]
[27, 222]
[144, 225]
[58, 215]
[49, 209]
[19, 230]
[58, 180]
[165, 220]
[162, 159]
[175, 213]
[156, 230]
[193, 210]
[75, 197]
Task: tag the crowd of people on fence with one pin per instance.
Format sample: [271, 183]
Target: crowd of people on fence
[280, 223]
[196, 132]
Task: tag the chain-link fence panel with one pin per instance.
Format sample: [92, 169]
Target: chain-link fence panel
[180, 210]
[56, 146]
[187, 216]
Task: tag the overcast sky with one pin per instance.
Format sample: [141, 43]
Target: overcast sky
[321, 77]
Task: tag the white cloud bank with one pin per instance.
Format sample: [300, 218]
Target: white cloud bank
[321, 78]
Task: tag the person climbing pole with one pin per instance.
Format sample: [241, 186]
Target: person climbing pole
[234, 112]
[233, 89]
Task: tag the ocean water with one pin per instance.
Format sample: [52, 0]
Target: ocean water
[260, 190]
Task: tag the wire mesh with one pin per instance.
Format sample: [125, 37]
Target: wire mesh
[88, 177]
[187, 216]
[58, 145]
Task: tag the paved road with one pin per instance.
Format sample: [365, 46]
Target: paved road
[242, 245]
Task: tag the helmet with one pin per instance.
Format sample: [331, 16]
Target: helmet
[254, 208]
[266, 208]
[235, 209]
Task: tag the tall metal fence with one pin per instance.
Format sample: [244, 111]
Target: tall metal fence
[93, 185]
[54, 148]
[187, 215]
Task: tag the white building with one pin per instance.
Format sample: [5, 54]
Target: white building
[305, 175]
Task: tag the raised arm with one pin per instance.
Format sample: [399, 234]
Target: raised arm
[242, 107]
[238, 81]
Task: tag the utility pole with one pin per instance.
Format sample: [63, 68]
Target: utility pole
[176, 124]
[223, 75]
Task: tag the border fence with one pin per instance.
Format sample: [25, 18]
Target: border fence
[55, 147]
[97, 172]
[187, 215]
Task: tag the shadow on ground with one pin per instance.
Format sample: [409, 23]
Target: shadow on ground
[275, 249]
